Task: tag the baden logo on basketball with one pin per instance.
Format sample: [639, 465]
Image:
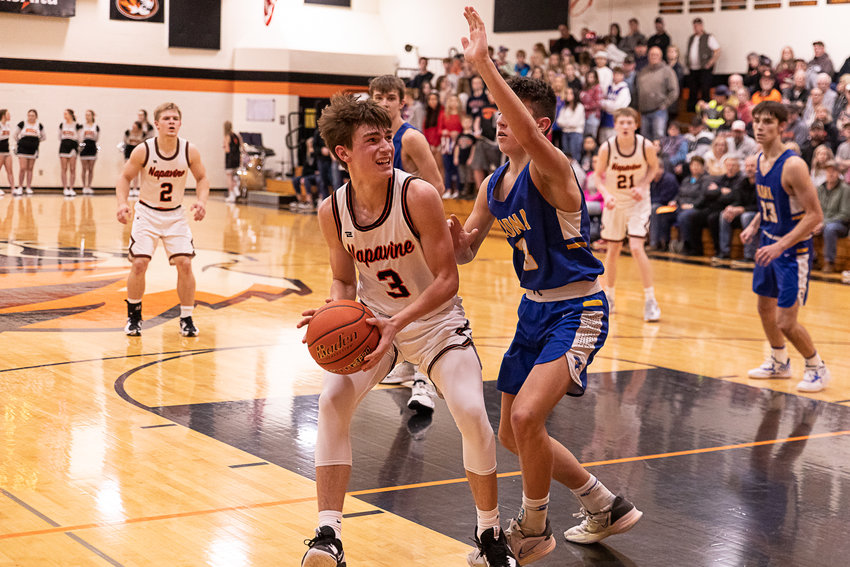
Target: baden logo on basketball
[343, 342]
[138, 9]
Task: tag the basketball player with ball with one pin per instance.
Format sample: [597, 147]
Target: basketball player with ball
[390, 248]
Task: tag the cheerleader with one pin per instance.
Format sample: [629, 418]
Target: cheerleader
[88, 152]
[29, 134]
[147, 128]
[132, 138]
[69, 146]
[5, 153]
[232, 157]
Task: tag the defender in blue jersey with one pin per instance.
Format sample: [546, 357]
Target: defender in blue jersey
[789, 212]
[413, 155]
[563, 315]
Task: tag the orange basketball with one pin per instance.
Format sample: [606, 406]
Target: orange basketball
[339, 338]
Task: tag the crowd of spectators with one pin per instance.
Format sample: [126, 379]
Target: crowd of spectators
[706, 145]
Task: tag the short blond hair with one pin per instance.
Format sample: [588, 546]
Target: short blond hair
[166, 106]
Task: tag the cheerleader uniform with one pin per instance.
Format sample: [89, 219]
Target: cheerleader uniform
[90, 136]
[5, 134]
[131, 141]
[29, 136]
[69, 139]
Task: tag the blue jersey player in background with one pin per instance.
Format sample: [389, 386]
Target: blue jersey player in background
[563, 316]
[411, 153]
[789, 212]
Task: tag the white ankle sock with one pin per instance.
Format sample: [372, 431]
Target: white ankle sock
[332, 518]
[186, 310]
[593, 495]
[487, 519]
[649, 293]
[781, 354]
[532, 516]
[814, 360]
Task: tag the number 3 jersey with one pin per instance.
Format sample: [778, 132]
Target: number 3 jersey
[391, 267]
[550, 246]
[624, 171]
[164, 177]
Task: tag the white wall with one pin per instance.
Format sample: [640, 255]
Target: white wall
[367, 39]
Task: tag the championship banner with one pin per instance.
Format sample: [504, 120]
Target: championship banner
[58, 8]
[137, 10]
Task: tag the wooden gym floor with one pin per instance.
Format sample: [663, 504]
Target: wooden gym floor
[164, 450]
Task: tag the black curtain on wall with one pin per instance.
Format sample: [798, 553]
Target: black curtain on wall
[529, 15]
[194, 23]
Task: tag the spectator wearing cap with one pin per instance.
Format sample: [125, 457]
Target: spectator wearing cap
[739, 142]
[795, 129]
[603, 72]
[821, 62]
[703, 51]
[630, 76]
[797, 92]
[657, 89]
[634, 37]
[712, 111]
[834, 197]
[641, 56]
[502, 63]
[565, 41]
[660, 38]
[618, 96]
[699, 139]
[817, 137]
[767, 89]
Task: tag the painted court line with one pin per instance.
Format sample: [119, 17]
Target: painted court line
[61, 529]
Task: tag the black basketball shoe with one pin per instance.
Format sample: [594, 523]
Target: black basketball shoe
[187, 327]
[325, 550]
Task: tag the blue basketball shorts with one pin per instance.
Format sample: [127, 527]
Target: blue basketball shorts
[574, 328]
[787, 277]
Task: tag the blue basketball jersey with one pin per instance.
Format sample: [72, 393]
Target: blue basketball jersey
[397, 145]
[780, 212]
[550, 246]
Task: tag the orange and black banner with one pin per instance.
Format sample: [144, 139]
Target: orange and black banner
[57, 8]
[116, 75]
[137, 10]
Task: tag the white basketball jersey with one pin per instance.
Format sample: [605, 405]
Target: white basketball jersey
[624, 171]
[164, 177]
[391, 267]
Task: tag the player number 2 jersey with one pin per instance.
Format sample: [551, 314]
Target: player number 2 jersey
[391, 267]
[164, 177]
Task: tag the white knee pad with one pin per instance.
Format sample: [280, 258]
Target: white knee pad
[457, 373]
[340, 397]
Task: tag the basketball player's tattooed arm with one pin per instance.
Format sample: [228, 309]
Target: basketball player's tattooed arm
[344, 282]
[550, 169]
[467, 238]
[122, 186]
[797, 182]
[202, 183]
[428, 218]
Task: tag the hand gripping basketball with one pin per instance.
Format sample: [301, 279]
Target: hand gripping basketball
[339, 338]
